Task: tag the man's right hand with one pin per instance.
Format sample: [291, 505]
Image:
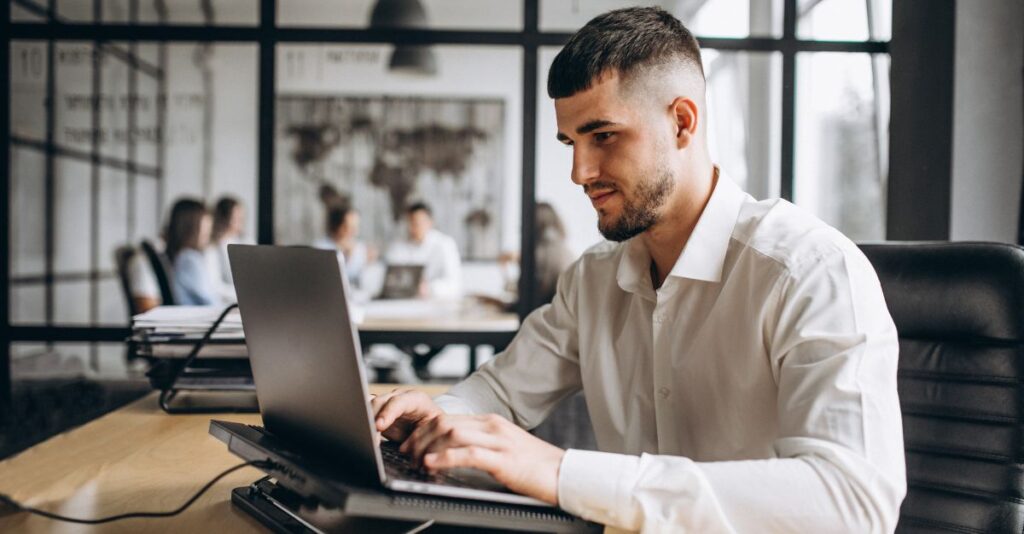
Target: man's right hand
[397, 414]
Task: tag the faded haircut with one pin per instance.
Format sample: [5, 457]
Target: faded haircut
[628, 41]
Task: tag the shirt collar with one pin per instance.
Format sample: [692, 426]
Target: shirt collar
[703, 257]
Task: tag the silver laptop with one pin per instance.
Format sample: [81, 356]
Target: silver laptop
[308, 369]
[402, 281]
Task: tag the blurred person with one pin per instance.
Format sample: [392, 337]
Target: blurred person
[228, 228]
[187, 235]
[142, 283]
[341, 232]
[552, 253]
[437, 252]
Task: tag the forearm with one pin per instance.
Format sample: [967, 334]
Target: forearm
[473, 395]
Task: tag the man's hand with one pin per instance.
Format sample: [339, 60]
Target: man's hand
[397, 414]
[491, 443]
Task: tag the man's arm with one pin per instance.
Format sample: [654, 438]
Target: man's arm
[539, 368]
[840, 465]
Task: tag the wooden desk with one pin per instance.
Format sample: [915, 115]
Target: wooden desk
[134, 459]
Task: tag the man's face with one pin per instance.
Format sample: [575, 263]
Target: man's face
[350, 228]
[620, 155]
[419, 224]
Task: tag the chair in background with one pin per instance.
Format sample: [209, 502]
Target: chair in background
[162, 270]
[122, 256]
[959, 311]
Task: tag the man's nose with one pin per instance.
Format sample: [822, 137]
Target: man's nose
[584, 167]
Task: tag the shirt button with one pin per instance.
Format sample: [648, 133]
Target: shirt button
[664, 392]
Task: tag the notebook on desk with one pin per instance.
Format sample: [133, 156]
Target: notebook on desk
[310, 381]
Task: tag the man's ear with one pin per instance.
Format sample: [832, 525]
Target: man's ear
[686, 116]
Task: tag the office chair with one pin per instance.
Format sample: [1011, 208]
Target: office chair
[959, 311]
[162, 270]
[122, 256]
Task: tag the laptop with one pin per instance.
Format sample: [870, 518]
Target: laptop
[310, 381]
[402, 281]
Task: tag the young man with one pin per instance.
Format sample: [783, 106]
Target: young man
[737, 357]
[437, 252]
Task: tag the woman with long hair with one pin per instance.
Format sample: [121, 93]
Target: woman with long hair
[228, 227]
[187, 235]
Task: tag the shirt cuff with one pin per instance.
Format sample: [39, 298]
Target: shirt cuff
[591, 485]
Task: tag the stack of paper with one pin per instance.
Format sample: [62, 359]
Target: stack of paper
[172, 331]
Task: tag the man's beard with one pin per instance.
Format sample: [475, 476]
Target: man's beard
[640, 213]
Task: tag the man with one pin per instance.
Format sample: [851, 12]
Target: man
[736, 356]
[438, 253]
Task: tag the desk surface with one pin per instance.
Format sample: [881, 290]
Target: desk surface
[134, 459]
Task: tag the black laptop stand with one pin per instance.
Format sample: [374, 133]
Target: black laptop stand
[303, 494]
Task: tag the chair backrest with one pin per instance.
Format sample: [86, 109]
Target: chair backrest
[162, 270]
[959, 311]
[122, 256]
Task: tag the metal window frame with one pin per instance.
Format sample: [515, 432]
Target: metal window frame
[266, 35]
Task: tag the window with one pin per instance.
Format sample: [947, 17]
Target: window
[184, 103]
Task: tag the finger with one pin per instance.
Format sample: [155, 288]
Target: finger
[422, 432]
[391, 408]
[476, 457]
[440, 427]
[464, 437]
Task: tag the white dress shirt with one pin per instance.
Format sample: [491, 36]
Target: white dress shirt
[439, 255]
[755, 391]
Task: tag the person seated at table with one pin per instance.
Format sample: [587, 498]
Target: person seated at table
[228, 226]
[552, 254]
[143, 288]
[437, 252]
[341, 234]
[187, 235]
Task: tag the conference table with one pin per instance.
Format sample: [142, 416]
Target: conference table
[136, 458]
[404, 323]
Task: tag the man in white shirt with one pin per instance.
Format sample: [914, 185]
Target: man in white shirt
[437, 252]
[737, 357]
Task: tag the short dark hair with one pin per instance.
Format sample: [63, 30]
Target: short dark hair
[336, 217]
[623, 40]
[419, 206]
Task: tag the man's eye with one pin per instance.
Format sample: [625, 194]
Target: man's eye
[601, 137]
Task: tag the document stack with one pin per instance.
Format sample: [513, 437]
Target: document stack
[172, 332]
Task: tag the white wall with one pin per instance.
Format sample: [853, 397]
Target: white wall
[987, 120]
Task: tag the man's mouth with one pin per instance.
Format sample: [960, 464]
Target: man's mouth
[599, 198]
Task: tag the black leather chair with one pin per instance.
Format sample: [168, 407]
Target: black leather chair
[162, 270]
[959, 311]
[122, 257]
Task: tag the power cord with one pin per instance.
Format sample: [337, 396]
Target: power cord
[22, 508]
[168, 393]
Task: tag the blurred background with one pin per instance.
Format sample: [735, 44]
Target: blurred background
[889, 120]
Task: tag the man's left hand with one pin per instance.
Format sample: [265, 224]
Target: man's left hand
[522, 462]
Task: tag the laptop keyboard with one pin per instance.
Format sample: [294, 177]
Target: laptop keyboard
[401, 466]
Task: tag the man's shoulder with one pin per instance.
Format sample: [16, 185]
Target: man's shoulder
[789, 235]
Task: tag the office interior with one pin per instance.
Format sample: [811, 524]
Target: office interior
[891, 120]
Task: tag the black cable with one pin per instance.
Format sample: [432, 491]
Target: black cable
[22, 508]
[168, 393]
[202, 342]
